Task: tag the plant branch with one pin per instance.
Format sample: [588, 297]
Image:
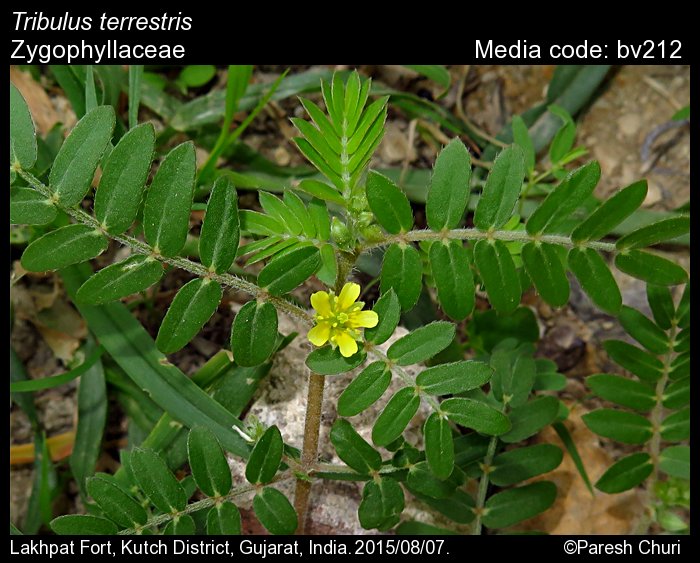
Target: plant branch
[203, 504]
[475, 234]
[483, 486]
[228, 280]
[655, 442]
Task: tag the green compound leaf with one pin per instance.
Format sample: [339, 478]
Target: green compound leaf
[265, 459]
[522, 138]
[643, 330]
[117, 505]
[439, 447]
[453, 278]
[23, 150]
[118, 198]
[530, 418]
[545, 269]
[353, 449]
[611, 213]
[181, 526]
[677, 394]
[661, 305]
[515, 466]
[75, 164]
[676, 427]
[453, 378]
[655, 233]
[208, 462]
[224, 520]
[675, 461]
[395, 417]
[596, 279]
[515, 505]
[625, 427]
[29, 207]
[166, 212]
[622, 391]
[65, 246]
[275, 512]
[389, 204]
[422, 344]
[502, 190]
[254, 333]
[498, 274]
[136, 273]
[640, 363]
[388, 310]
[626, 473]
[157, 481]
[192, 307]
[285, 273]
[650, 268]
[402, 271]
[563, 200]
[364, 390]
[329, 361]
[83, 525]
[476, 415]
[449, 187]
[382, 504]
[218, 241]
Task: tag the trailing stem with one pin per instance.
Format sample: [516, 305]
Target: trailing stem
[476, 234]
[137, 246]
[656, 418]
[201, 505]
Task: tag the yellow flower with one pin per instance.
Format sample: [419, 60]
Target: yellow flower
[338, 319]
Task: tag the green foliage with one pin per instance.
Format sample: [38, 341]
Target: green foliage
[75, 164]
[477, 412]
[275, 512]
[254, 333]
[118, 198]
[658, 393]
[265, 458]
[449, 187]
[193, 305]
[166, 210]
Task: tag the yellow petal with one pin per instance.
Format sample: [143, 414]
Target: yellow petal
[347, 344]
[366, 319]
[348, 295]
[321, 302]
[319, 335]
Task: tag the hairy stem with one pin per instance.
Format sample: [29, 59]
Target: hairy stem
[656, 418]
[309, 452]
[228, 280]
[483, 486]
[476, 234]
